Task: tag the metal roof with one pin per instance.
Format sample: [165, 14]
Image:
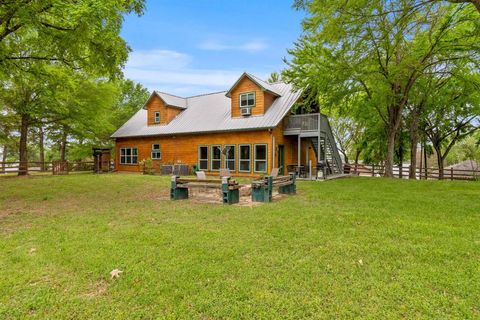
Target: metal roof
[212, 113]
[259, 82]
[171, 100]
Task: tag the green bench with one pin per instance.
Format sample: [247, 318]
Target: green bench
[262, 189]
[229, 188]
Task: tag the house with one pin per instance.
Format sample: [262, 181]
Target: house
[248, 129]
[466, 165]
[467, 169]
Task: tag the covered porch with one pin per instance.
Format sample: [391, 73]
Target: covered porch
[317, 154]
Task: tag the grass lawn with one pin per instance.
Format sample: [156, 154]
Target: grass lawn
[363, 248]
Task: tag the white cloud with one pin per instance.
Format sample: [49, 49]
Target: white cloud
[157, 58]
[190, 77]
[250, 46]
[173, 72]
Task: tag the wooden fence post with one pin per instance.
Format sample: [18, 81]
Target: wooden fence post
[373, 170]
[451, 174]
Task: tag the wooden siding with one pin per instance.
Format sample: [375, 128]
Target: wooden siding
[268, 100]
[167, 113]
[184, 148]
[263, 100]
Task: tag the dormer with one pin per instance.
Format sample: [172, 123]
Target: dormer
[163, 108]
[251, 96]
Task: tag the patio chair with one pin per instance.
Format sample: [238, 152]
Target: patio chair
[201, 175]
[274, 172]
[225, 173]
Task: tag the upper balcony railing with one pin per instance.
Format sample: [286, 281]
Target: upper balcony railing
[302, 122]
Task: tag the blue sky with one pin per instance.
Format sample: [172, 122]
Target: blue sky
[191, 47]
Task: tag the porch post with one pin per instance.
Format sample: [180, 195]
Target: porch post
[319, 151]
[307, 158]
[299, 156]
[273, 153]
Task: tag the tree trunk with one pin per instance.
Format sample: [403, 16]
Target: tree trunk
[23, 155]
[4, 157]
[412, 173]
[357, 156]
[400, 167]
[41, 147]
[390, 153]
[394, 122]
[345, 157]
[477, 4]
[63, 146]
[440, 162]
[425, 160]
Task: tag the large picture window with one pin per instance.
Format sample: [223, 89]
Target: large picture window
[156, 154]
[247, 99]
[229, 157]
[128, 155]
[203, 157]
[216, 158]
[244, 155]
[260, 164]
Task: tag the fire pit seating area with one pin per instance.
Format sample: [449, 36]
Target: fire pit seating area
[229, 187]
[262, 189]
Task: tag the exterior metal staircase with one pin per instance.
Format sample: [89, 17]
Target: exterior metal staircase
[327, 156]
[315, 127]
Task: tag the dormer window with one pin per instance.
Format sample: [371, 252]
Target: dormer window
[156, 117]
[247, 100]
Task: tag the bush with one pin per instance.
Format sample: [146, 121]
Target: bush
[146, 165]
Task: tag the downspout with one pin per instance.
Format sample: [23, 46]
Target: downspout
[319, 146]
[299, 142]
[273, 150]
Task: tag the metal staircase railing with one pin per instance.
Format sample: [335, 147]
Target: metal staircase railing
[314, 127]
[325, 127]
[326, 155]
[302, 122]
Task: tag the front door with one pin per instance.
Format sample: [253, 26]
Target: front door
[281, 159]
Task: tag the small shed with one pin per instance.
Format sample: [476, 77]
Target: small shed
[101, 159]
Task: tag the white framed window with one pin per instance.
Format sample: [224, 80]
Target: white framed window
[156, 117]
[128, 155]
[216, 158]
[247, 100]
[244, 157]
[229, 157]
[156, 154]
[260, 158]
[203, 158]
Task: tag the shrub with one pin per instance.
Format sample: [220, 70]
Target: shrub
[146, 165]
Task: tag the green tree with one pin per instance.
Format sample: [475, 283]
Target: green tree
[274, 77]
[132, 97]
[40, 40]
[467, 149]
[8, 123]
[377, 50]
[97, 108]
[453, 115]
[77, 33]
[299, 4]
[87, 105]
